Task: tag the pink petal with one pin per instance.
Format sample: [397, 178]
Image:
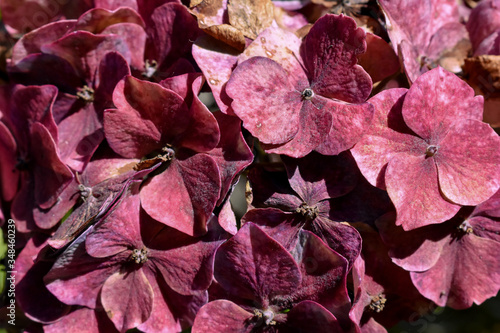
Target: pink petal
[216, 60]
[349, 124]
[464, 273]
[127, 299]
[192, 186]
[412, 184]
[330, 53]
[468, 162]
[386, 137]
[222, 316]
[436, 100]
[265, 100]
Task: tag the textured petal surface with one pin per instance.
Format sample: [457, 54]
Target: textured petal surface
[412, 184]
[466, 273]
[252, 265]
[265, 100]
[330, 53]
[127, 299]
[387, 136]
[222, 316]
[192, 186]
[468, 162]
[436, 100]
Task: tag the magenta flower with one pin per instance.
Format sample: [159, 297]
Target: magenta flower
[294, 109]
[454, 263]
[176, 126]
[38, 166]
[271, 289]
[430, 149]
[306, 203]
[144, 273]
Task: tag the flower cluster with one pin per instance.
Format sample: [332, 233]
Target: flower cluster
[372, 176]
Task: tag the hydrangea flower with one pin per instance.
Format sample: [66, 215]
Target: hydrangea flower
[318, 105]
[138, 268]
[177, 128]
[454, 263]
[430, 149]
[270, 289]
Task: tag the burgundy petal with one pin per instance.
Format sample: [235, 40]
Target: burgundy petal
[254, 266]
[324, 274]
[77, 278]
[232, 153]
[148, 127]
[172, 30]
[192, 186]
[316, 177]
[9, 175]
[98, 19]
[119, 232]
[33, 41]
[309, 315]
[330, 55]
[51, 175]
[127, 299]
[222, 316]
[30, 286]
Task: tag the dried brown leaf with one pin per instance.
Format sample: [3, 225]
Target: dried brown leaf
[251, 17]
[227, 34]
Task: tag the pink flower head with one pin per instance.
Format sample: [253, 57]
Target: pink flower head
[295, 108]
[430, 149]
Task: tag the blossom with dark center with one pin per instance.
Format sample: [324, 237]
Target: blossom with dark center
[177, 127]
[145, 274]
[269, 289]
[306, 203]
[430, 149]
[454, 263]
[91, 54]
[295, 108]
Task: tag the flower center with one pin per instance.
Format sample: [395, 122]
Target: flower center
[310, 213]
[85, 191]
[150, 68]
[465, 228]
[307, 94]
[139, 256]
[431, 151]
[266, 316]
[86, 93]
[377, 303]
[168, 153]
